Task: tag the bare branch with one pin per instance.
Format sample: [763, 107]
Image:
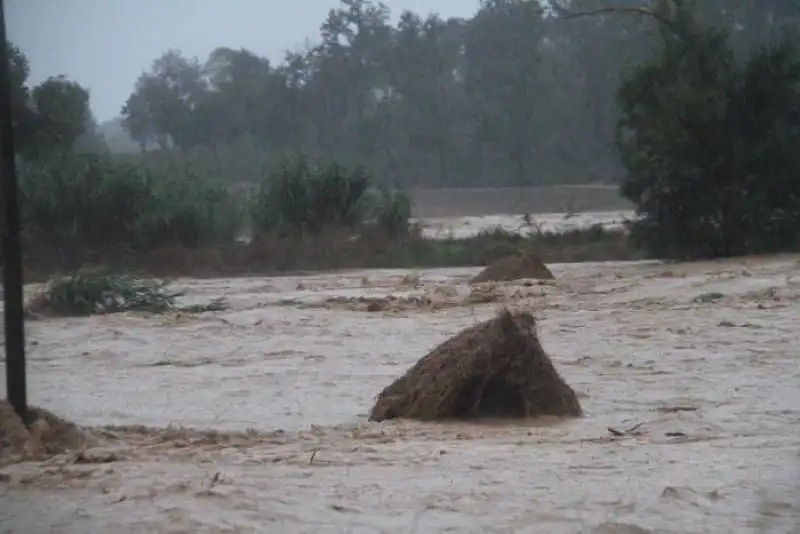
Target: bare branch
[618, 9]
[668, 23]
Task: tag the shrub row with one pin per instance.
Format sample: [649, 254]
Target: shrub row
[99, 202]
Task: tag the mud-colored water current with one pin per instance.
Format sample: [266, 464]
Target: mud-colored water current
[703, 357]
[462, 227]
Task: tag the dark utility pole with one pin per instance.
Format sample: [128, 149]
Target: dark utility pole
[16, 387]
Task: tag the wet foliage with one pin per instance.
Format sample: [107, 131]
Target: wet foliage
[710, 143]
[96, 293]
[305, 198]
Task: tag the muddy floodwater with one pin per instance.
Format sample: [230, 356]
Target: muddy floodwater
[255, 419]
[465, 226]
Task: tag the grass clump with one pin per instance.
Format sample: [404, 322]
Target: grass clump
[84, 294]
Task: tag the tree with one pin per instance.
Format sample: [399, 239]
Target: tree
[709, 144]
[63, 113]
[23, 112]
[239, 94]
[425, 79]
[347, 76]
[503, 77]
[137, 119]
[163, 100]
[46, 118]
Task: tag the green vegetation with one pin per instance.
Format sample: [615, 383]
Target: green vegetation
[511, 95]
[103, 211]
[708, 125]
[301, 199]
[97, 202]
[87, 293]
[710, 142]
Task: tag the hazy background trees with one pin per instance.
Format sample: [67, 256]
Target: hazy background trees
[515, 95]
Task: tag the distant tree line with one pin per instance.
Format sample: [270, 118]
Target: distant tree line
[515, 95]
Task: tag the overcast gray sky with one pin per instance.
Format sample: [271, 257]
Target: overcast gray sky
[105, 44]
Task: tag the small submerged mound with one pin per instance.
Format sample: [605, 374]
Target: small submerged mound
[496, 368]
[514, 267]
[48, 435]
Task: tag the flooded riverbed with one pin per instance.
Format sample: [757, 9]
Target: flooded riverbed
[463, 227]
[277, 390]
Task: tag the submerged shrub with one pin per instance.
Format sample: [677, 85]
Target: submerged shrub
[87, 294]
[91, 293]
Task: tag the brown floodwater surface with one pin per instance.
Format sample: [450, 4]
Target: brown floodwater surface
[255, 419]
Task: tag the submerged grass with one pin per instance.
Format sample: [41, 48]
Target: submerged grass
[97, 293]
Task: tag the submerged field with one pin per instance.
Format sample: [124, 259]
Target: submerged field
[277, 389]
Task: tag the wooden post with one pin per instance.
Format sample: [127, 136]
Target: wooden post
[16, 387]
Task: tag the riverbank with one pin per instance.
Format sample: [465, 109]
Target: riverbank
[267, 255]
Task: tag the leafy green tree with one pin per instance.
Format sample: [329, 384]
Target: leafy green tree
[161, 106]
[302, 198]
[239, 94]
[137, 119]
[710, 146]
[49, 117]
[22, 108]
[63, 113]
